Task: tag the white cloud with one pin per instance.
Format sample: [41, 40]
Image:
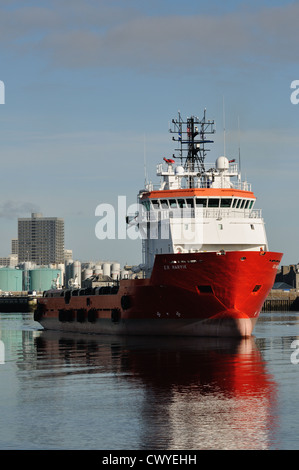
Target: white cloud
[13, 209]
[73, 34]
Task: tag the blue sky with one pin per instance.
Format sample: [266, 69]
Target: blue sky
[90, 84]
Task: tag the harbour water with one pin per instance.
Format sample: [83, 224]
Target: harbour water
[86, 392]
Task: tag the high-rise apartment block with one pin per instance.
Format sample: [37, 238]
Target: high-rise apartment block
[14, 246]
[41, 239]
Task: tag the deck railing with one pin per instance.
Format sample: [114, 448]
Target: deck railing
[186, 213]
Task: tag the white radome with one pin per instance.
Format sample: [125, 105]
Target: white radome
[222, 164]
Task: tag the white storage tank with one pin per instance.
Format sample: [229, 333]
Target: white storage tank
[86, 273]
[68, 271]
[115, 270]
[76, 272]
[26, 279]
[28, 265]
[107, 269]
[61, 268]
[98, 269]
[124, 274]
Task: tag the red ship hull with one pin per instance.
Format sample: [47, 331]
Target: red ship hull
[194, 294]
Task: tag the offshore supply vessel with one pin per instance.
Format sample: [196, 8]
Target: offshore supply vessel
[206, 267]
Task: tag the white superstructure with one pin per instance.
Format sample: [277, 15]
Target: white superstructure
[195, 209]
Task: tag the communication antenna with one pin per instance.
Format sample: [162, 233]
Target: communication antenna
[144, 158]
[224, 149]
[191, 136]
[239, 145]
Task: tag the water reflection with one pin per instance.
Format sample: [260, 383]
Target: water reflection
[168, 393]
[71, 391]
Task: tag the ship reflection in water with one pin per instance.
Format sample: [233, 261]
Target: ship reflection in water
[159, 393]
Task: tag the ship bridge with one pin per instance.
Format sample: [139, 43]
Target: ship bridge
[213, 190]
[198, 207]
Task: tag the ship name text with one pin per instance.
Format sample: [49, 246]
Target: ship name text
[175, 266]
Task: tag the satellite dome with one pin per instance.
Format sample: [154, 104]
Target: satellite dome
[179, 170]
[222, 163]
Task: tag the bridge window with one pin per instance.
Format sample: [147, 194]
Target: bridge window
[225, 202]
[164, 204]
[182, 203]
[243, 204]
[213, 202]
[155, 204]
[201, 202]
[173, 203]
[190, 203]
[238, 204]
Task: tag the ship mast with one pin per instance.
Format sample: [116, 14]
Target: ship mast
[191, 135]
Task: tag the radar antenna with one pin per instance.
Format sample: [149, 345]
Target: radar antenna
[191, 136]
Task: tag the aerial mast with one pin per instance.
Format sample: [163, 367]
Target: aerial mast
[191, 135]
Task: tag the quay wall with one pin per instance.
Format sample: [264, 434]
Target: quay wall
[280, 301]
[17, 303]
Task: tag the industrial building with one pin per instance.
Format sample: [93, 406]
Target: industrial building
[289, 276]
[88, 274]
[28, 277]
[14, 246]
[9, 261]
[11, 279]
